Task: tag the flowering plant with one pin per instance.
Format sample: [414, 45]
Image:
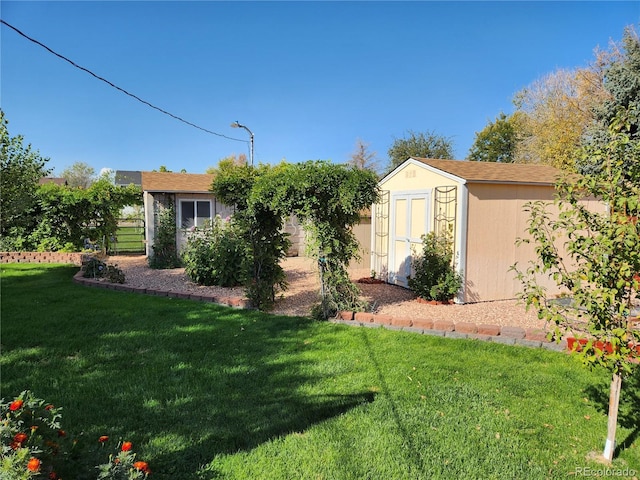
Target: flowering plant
[35, 446]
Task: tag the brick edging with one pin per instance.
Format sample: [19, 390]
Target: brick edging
[509, 335]
[527, 337]
[237, 302]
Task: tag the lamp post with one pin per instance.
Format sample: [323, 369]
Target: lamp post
[238, 125]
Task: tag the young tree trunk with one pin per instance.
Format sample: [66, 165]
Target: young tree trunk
[614, 401]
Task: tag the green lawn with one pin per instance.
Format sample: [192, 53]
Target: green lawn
[209, 392]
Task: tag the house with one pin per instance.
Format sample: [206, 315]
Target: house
[55, 180]
[188, 192]
[194, 205]
[479, 203]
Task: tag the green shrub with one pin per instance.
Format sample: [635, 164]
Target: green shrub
[96, 268]
[435, 277]
[215, 254]
[165, 251]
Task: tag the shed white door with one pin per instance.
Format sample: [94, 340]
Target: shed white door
[409, 220]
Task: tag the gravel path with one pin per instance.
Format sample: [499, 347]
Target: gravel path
[304, 287]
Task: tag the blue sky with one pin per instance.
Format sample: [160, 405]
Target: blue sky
[308, 78]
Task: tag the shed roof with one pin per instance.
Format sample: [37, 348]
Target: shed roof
[490, 172]
[176, 182]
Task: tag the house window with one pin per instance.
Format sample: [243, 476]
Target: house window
[194, 213]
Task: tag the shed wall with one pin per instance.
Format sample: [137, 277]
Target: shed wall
[408, 215]
[496, 219]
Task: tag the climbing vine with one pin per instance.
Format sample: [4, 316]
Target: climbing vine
[327, 198]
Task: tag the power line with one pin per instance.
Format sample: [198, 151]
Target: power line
[117, 87]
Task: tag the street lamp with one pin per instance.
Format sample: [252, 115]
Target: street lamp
[237, 125]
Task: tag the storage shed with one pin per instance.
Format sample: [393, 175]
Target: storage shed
[194, 204]
[480, 203]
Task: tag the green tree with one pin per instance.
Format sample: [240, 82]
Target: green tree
[65, 216]
[421, 144]
[497, 142]
[602, 257]
[622, 90]
[260, 225]
[21, 168]
[80, 175]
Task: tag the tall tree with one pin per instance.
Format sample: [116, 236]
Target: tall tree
[21, 168]
[555, 112]
[362, 158]
[621, 83]
[497, 142]
[422, 144]
[80, 174]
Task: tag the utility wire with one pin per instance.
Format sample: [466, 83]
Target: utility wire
[117, 87]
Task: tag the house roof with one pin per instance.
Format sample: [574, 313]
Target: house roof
[176, 182]
[490, 172]
[56, 180]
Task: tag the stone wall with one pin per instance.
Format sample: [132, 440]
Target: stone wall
[41, 257]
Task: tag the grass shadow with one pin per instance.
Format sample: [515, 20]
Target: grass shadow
[628, 410]
[184, 380]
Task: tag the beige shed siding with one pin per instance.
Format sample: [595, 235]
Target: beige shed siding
[496, 218]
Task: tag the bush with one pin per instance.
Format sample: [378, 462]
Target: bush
[34, 445]
[165, 252]
[215, 254]
[96, 268]
[435, 277]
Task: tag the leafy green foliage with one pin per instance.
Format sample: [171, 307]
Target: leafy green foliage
[604, 258]
[165, 251]
[421, 144]
[215, 254]
[327, 198]
[260, 226]
[604, 250]
[435, 277]
[497, 141]
[21, 168]
[61, 218]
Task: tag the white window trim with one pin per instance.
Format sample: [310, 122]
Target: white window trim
[195, 202]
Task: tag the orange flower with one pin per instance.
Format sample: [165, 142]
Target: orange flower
[33, 465]
[103, 438]
[126, 446]
[62, 433]
[48, 407]
[142, 466]
[20, 438]
[16, 405]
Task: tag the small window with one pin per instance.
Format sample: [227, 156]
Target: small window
[194, 213]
